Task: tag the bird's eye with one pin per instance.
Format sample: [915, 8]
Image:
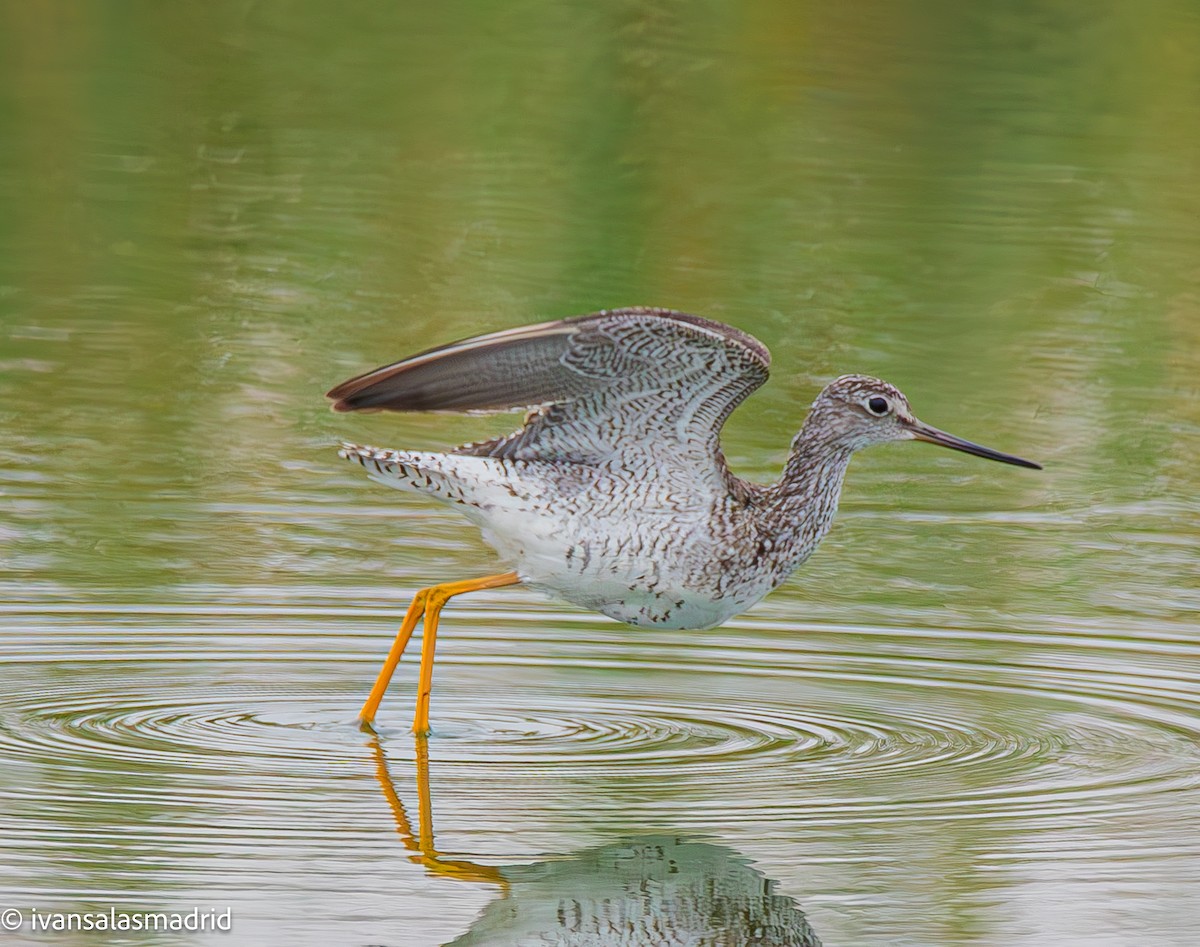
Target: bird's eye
[878, 406]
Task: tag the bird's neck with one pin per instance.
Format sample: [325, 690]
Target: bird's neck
[804, 500]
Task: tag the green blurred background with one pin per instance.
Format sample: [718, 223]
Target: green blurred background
[212, 212]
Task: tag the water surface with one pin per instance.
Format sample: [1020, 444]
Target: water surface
[972, 719]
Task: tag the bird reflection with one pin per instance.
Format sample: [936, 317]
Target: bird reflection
[642, 891]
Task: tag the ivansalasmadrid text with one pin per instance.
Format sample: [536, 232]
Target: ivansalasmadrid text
[113, 920]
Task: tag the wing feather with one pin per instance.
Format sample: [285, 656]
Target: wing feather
[606, 386]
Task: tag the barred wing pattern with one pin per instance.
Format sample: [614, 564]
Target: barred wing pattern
[625, 387]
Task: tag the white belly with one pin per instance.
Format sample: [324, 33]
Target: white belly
[637, 582]
[656, 564]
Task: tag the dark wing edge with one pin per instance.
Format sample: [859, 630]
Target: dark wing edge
[514, 368]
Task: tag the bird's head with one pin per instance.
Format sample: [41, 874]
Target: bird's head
[858, 411]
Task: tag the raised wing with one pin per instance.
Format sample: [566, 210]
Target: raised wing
[605, 387]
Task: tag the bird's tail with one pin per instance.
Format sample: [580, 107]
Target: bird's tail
[446, 477]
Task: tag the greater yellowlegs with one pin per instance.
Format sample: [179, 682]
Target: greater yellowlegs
[614, 494]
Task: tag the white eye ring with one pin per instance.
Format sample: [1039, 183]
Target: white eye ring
[878, 406]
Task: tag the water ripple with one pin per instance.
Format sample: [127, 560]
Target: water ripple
[823, 724]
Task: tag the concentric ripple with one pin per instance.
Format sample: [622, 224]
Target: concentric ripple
[213, 751]
[833, 724]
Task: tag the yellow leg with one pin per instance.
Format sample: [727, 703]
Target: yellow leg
[428, 603]
[366, 716]
[435, 598]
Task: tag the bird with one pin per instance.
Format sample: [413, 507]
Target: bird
[614, 494]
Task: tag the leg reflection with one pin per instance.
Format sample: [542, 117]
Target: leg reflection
[421, 844]
[653, 889]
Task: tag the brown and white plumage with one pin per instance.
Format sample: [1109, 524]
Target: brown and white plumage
[624, 387]
[614, 494]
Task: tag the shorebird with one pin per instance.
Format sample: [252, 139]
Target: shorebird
[614, 494]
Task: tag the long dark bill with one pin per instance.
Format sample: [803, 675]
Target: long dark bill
[923, 432]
